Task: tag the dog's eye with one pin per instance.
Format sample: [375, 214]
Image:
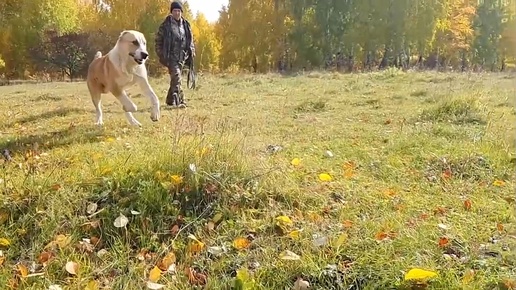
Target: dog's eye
[136, 43]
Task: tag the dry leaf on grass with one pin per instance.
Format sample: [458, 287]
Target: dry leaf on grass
[167, 261]
[443, 242]
[154, 286]
[243, 280]
[23, 270]
[295, 234]
[44, 257]
[283, 220]
[419, 274]
[196, 278]
[383, 236]
[467, 204]
[340, 240]
[347, 224]
[468, 276]
[154, 274]
[498, 183]
[195, 246]
[241, 243]
[92, 285]
[4, 242]
[289, 255]
[60, 241]
[72, 267]
[325, 177]
[301, 284]
[121, 221]
[91, 208]
[295, 162]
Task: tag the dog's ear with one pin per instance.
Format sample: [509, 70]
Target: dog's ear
[122, 34]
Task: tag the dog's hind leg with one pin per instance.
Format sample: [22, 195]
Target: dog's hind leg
[129, 107]
[96, 99]
[147, 90]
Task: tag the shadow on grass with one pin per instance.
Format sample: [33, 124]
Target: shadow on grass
[59, 112]
[51, 140]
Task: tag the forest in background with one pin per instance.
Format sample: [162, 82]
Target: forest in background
[56, 39]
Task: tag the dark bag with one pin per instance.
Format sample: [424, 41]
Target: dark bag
[191, 79]
[189, 61]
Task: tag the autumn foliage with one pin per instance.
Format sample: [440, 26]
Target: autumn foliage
[279, 35]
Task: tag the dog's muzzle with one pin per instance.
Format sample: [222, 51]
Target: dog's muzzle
[144, 56]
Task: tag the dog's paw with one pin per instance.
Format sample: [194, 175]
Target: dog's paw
[155, 115]
[99, 123]
[134, 122]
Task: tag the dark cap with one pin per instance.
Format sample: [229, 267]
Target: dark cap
[176, 5]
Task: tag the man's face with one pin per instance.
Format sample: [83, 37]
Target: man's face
[176, 13]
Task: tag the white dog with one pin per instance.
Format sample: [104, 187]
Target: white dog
[122, 67]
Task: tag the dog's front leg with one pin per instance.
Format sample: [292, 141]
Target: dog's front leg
[147, 90]
[129, 107]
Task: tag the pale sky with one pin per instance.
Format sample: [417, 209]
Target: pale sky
[210, 8]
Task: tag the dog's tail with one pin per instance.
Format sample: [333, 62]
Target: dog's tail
[98, 55]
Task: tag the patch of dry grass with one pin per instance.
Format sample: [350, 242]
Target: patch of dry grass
[420, 167]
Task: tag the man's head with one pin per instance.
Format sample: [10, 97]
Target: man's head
[176, 9]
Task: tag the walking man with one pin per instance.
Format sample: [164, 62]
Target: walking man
[174, 46]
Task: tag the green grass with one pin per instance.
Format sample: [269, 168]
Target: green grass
[417, 158]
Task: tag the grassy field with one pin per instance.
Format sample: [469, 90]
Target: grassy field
[264, 182]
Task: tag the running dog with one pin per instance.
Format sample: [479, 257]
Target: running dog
[121, 67]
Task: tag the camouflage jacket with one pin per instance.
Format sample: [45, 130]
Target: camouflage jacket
[171, 44]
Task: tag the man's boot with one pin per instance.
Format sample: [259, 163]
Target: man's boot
[181, 100]
[171, 98]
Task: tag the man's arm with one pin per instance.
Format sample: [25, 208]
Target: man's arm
[192, 45]
[158, 41]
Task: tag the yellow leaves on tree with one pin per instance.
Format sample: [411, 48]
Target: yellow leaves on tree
[207, 45]
[454, 29]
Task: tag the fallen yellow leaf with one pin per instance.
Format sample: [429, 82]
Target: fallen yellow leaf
[295, 162]
[241, 243]
[498, 183]
[289, 255]
[419, 274]
[325, 177]
[468, 276]
[154, 274]
[92, 285]
[348, 172]
[23, 270]
[341, 240]
[167, 261]
[4, 242]
[195, 245]
[347, 224]
[294, 234]
[176, 179]
[284, 219]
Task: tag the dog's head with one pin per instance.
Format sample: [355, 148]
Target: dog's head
[134, 44]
